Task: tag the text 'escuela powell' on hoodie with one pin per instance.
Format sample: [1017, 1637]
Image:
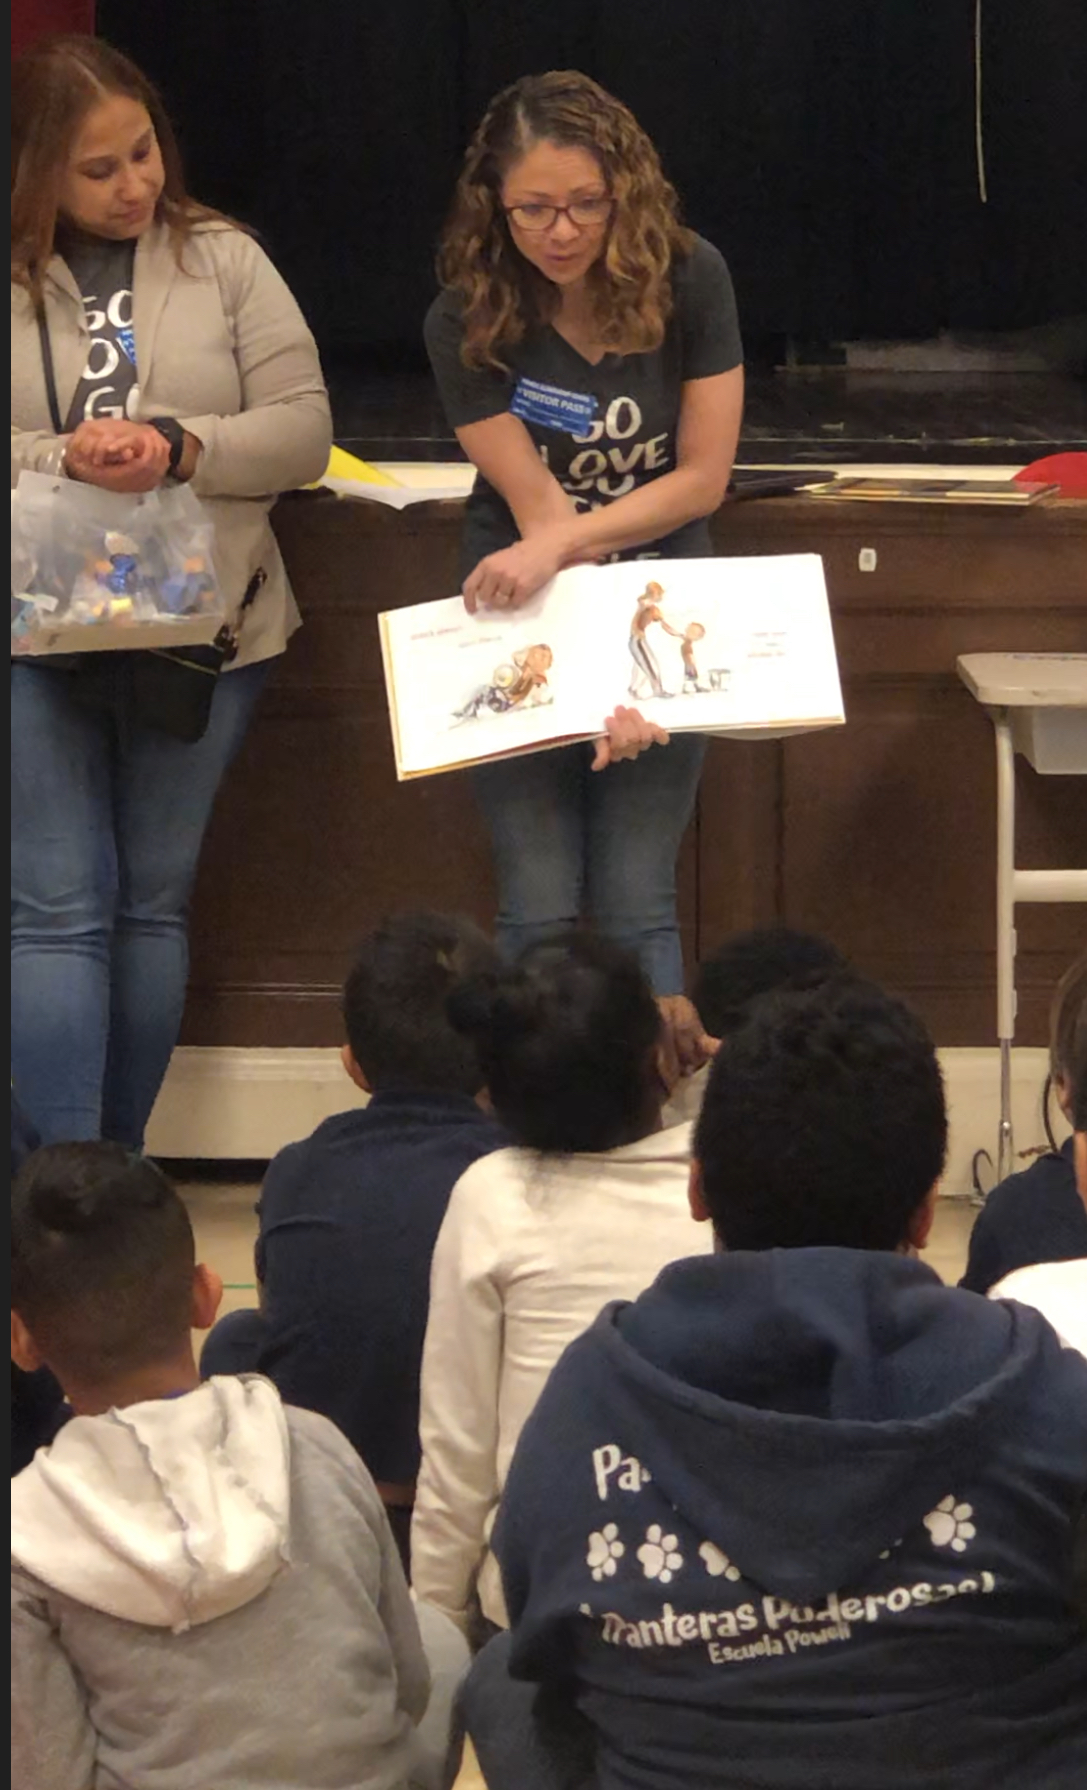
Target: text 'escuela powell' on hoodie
[803, 1520]
[205, 1592]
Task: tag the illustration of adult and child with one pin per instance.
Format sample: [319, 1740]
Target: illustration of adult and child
[646, 678]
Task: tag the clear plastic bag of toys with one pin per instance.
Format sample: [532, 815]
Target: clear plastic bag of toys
[93, 570]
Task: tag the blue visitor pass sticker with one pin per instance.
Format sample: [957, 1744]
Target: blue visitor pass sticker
[551, 407]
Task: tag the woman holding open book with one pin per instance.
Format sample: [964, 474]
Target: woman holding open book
[588, 355]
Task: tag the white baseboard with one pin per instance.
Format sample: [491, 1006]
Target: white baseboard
[246, 1104]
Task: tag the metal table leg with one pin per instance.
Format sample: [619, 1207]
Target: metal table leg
[1005, 930]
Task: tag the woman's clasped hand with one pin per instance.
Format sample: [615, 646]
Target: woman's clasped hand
[117, 455]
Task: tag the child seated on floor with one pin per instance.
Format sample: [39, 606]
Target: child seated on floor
[349, 1217]
[37, 1403]
[766, 960]
[801, 1514]
[1058, 1289]
[588, 1206]
[1037, 1215]
[204, 1586]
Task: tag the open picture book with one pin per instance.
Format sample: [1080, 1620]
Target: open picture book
[740, 647]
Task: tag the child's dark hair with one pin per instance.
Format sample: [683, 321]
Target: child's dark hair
[102, 1260]
[1075, 1068]
[752, 964]
[1067, 1018]
[394, 1004]
[824, 1122]
[567, 1040]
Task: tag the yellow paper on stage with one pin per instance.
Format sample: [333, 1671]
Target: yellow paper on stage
[348, 476]
[735, 647]
[348, 470]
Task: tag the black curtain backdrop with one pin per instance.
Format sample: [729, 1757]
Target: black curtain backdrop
[826, 146]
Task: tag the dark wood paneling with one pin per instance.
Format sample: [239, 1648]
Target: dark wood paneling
[881, 834]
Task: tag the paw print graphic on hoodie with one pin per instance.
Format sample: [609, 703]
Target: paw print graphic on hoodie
[659, 1555]
[949, 1524]
[605, 1549]
[718, 1565]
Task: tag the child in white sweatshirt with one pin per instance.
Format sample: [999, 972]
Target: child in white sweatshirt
[589, 1207]
[1059, 1289]
[204, 1586]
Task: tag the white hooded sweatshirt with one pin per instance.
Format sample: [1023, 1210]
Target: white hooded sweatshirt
[1058, 1290]
[205, 1593]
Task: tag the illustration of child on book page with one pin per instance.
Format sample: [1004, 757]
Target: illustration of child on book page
[645, 679]
[692, 634]
[520, 683]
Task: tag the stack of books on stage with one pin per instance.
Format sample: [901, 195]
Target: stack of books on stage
[735, 647]
[1009, 493]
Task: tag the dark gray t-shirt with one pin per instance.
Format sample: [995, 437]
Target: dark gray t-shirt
[603, 430]
[108, 386]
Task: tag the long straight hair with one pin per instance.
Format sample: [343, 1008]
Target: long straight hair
[53, 87]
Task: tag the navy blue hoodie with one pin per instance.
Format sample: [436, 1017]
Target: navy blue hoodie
[805, 1518]
[348, 1222]
[1034, 1216]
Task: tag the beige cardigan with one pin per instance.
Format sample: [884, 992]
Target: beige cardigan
[222, 346]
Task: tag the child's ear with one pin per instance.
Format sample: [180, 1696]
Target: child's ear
[922, 1220]
[24, 1350]
[207, 1296]
[351, 1068]
[700, 1212]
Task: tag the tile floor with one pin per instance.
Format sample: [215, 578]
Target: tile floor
[222, 1215]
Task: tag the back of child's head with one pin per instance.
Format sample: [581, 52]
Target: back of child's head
[752, 964]
[395, 1004]
[1067, 1018]
[102, 1261]
[823, 1123]
[567, 1038]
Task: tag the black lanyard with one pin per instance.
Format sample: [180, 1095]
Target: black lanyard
[47, 365]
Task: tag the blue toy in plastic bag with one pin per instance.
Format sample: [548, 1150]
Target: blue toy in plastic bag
[91, 569]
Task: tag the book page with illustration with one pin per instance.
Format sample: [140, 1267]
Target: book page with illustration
[719, 646]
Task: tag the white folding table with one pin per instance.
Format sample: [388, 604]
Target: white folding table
[1037, 703]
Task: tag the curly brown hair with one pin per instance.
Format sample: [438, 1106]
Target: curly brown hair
[53, 87]
[502, 293]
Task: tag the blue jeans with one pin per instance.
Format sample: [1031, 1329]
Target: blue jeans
[526, 1736]
[565, 837]
[105, 836]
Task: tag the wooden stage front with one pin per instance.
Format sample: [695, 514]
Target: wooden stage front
[880, 834]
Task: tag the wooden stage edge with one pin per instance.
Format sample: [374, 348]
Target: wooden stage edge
[880, 834]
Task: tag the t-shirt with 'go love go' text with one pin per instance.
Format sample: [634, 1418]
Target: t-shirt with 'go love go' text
[603, 430]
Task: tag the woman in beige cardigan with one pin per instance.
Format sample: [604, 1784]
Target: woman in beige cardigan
[177, 353]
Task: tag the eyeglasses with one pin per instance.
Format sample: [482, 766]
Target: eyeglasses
[583, 214]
